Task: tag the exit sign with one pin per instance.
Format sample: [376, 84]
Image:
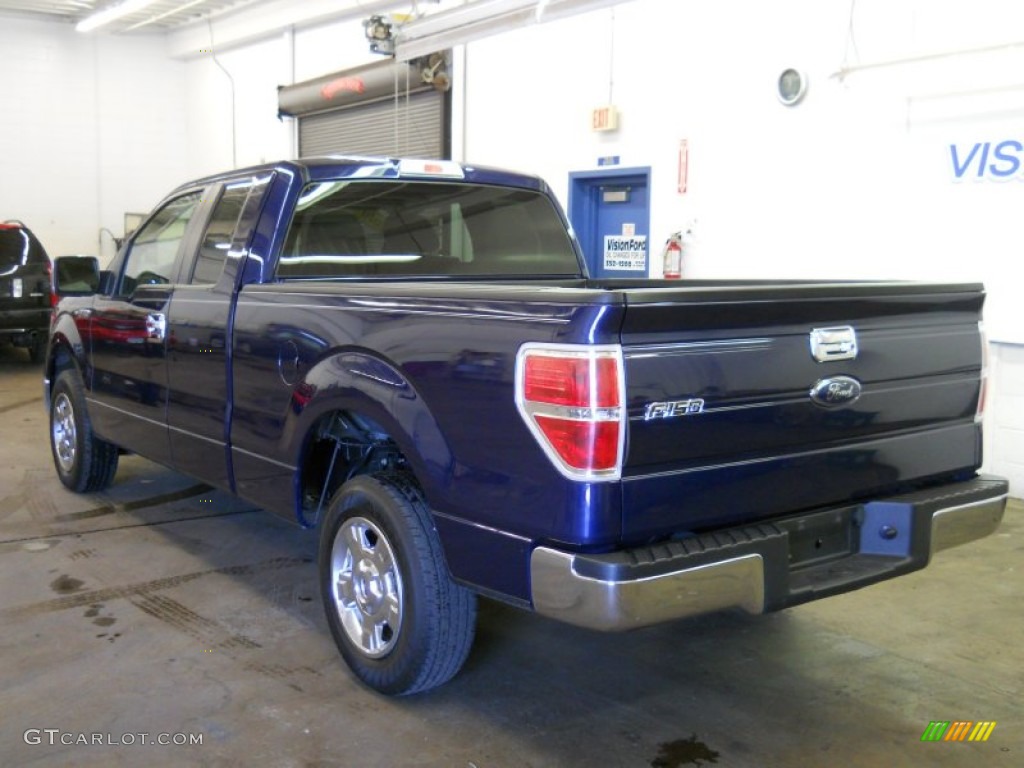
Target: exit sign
[604, 119]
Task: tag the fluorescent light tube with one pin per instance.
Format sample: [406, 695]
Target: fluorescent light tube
[113, 13]
[476, 20]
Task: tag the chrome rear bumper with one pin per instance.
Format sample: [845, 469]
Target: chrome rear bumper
[763, 567]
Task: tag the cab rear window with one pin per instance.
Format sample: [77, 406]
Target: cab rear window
[16, 246]
[357, 228]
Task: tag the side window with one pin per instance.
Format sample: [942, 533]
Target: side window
[155, 249]
[216, 243]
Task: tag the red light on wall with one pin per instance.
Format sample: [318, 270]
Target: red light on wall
[342, 85]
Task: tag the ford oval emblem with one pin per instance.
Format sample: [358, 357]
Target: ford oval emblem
[835, 391]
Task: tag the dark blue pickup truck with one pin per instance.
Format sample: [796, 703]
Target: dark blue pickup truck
[410, 356]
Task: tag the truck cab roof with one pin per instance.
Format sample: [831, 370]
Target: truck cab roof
[357, 166]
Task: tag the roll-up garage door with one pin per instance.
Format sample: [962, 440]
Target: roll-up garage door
[410, 128]
[388, 108]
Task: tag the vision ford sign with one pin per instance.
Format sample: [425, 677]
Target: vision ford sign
[995, 161]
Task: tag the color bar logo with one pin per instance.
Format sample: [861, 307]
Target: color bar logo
[958, 730]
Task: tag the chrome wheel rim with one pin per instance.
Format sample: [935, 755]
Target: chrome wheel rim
[366, 586]
[64, 433]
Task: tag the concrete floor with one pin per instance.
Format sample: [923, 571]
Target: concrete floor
[161, 607]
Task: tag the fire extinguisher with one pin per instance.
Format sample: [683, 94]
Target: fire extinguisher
[673, 257]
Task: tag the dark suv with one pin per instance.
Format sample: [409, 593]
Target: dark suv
[26, 293]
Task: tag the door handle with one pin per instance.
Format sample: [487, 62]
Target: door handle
[156, 326]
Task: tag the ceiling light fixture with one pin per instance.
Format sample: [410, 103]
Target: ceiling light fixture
[476, 20]
[113, 13]
[164, 15]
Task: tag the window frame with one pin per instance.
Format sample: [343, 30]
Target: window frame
[257, 190]
[199, 213]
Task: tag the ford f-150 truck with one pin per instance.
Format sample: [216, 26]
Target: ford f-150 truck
[410, 356]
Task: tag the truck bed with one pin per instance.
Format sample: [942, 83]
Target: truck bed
[758, 447]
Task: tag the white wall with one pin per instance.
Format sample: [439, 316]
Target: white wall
[856, 181]
[1004, 423]
[91, 127]
[330, 48]
[94, 126]
[257, 69]
[256, 135]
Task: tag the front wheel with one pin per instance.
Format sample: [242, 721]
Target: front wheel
[400, 622]
[84, 462]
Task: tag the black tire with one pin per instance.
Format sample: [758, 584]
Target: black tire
[84, 463]
[37, 350]
[402, 625]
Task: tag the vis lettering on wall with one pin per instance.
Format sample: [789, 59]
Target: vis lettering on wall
[995, 161]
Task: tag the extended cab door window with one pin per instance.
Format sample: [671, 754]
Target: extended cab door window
[213, 251]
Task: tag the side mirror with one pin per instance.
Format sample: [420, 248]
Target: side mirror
[76, 275]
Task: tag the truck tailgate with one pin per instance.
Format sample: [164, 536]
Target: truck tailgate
[733, 419]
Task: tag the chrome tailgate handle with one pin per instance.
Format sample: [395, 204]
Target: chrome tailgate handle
[839, 343]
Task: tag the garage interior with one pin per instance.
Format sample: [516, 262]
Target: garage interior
[163, 606]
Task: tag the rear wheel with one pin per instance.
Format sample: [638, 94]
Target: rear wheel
[401, 623]
[83, 461]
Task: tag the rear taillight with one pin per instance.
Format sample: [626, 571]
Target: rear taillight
[572, 399]
[979, 413]
[54, 298]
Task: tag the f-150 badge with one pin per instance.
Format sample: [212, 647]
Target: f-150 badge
[673, 408]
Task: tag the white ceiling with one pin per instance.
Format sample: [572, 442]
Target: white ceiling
[240, 21]
[161, 15]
